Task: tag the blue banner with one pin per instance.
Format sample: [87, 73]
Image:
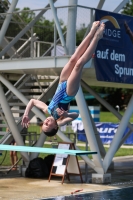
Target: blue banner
[107, 132]
[114, 53]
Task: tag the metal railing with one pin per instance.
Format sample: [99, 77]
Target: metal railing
[47, 37]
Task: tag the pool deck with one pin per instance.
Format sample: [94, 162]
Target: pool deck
[15, 187]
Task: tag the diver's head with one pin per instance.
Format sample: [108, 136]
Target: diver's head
[50, 126]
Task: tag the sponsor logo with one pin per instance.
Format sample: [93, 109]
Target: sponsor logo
[107, 130]
[114, 33]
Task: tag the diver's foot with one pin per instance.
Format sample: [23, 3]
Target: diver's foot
[94, 27]
[100, 30]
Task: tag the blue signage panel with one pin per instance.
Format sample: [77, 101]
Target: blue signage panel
[107, 132]
[114, 53]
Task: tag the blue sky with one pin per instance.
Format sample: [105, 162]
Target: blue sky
[109, 5]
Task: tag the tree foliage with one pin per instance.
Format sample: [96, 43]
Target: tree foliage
[128, 9]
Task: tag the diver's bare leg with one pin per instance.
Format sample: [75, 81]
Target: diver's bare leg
[78, 53]
[75, 76]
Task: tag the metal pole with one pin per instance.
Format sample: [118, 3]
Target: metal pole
[90, 24]
[92, 16]
[99, 141]
[11, 122]
[100, 4]
[7, 20]
[124, 138]
[71, 27]
[22, 46]
[117, 138]
[58, 25]
[85, 115]
[55, 37]
[39, 143]
[31, 44]
[120, 6]
[38, 49]
[86, 166]
[34, 49]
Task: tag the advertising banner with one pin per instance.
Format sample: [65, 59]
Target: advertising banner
[114, 54]
[106, 132]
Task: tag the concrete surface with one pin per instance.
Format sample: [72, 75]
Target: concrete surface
[15, 187]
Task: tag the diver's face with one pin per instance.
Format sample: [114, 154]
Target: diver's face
[49, 124]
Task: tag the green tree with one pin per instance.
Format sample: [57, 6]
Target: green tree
[3, 8]
[80, 35]
[128, 9]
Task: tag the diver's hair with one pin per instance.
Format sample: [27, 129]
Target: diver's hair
[40, 123]
[51, 133]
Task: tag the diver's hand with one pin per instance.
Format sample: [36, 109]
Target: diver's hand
[62, 112]
[25, 121]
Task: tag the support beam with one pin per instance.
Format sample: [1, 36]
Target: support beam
[118, 135]
[39, 143]
[71, 27]
[124, 138]
[100, 4]
[85, 115]
[23, 45]
[121, 5]
[99, 141]
[92, 16]
[7, 20]
[57, 25]
[11, 122]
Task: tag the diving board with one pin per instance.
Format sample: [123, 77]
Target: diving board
[44, 150]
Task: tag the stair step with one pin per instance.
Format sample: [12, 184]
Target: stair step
[16, 118]
[16, 104]
[29, 97]
[2, 133]
[46, 77]
[36, 84]
[15, 111]
[3, 125]
[32, 90]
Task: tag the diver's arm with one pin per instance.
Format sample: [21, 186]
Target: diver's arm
[39, 104]
[33, 102]
[67, 118]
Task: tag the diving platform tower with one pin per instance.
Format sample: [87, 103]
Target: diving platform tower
[37, 77]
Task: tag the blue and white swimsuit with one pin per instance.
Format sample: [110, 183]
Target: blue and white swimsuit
[59, 100]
